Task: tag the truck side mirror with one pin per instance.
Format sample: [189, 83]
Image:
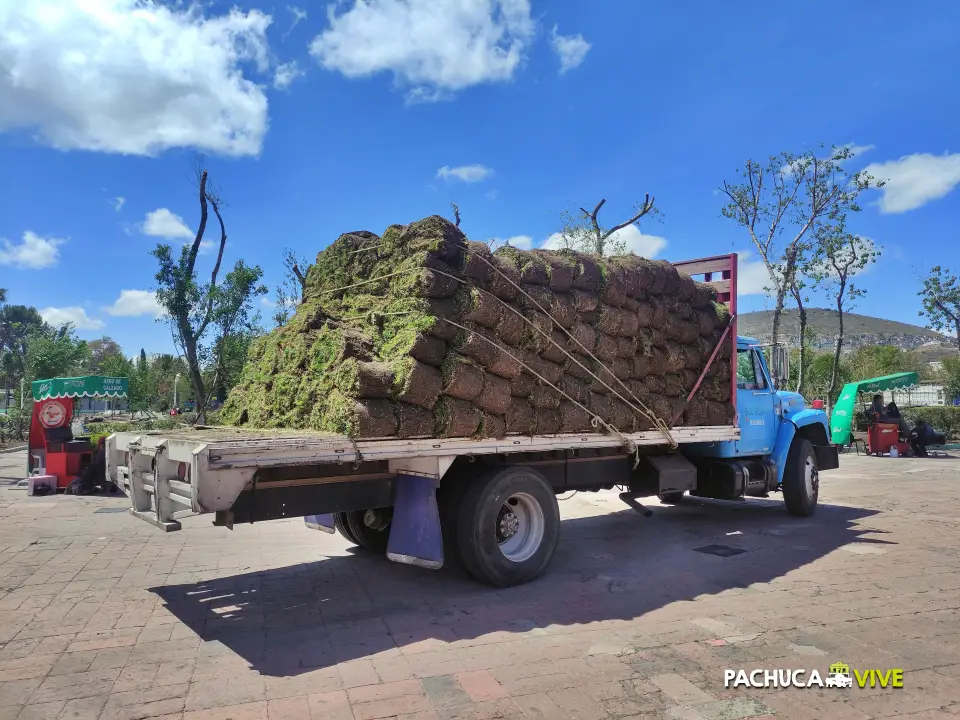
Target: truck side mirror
[781, 364]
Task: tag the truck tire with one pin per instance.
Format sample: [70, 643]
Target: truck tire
[449, 501]
[340, 523]
[370, 529]
[508, 526]
[670, 498]
[801, 479]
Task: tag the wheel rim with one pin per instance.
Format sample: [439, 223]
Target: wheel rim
[520, 527]
[811, 478]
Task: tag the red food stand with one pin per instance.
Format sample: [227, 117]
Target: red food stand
[52, 447]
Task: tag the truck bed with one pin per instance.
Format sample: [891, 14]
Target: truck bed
[173, 473]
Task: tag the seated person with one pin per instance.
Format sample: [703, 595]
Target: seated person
[893, 414]
[923, 435]
[879, 410]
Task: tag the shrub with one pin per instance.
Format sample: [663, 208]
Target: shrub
[945, 418]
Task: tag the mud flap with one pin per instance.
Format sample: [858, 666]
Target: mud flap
[828, 457]
[415, 535]
[324, 523]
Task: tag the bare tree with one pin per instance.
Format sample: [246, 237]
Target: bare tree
[839, 256]
[584, 232]
[194, 307]
[456, 213]
[780, 204]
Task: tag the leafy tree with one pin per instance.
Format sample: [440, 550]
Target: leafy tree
[941, 301]
[839, 256]
[101, 351]
[292, 288]
[584, 233]
[55, 353]
[780, 204]
[17, 324]
[950, 377]
[878, 360]
[196, 308]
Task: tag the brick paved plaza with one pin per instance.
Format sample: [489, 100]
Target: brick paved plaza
[102, 616]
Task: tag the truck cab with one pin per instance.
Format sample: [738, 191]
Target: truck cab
[783, 444]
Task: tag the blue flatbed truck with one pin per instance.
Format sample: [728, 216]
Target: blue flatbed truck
[490, 504]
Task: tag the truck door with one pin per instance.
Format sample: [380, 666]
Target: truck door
[755, 405]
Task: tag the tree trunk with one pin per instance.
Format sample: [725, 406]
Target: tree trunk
[196, 379]
[775, 331]
[835, 372]
[802, 370]
[957, 329]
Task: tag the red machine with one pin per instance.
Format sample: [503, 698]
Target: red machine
[881, 436]
[52, 445]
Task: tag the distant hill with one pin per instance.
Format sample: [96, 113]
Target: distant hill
[823, 326]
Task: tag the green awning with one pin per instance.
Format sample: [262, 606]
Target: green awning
[92, 386]
[841, 421]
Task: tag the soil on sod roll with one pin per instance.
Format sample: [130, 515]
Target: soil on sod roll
[419, 332]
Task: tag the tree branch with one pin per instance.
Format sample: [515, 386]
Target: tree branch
[212, 290]
[201, 228]
[644, 209]
[302, 279]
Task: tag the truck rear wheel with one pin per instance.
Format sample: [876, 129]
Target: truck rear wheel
[508, 526]
[370, 529]
[801, 479]
[671, 498]
[342, 527]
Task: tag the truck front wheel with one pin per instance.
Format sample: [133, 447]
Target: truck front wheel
[801, 479]
[509, 525]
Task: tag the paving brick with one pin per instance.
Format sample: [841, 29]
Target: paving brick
[480, 685]
[85, 709]
[42, 711]
[332, 705]
[384, 691]
[291, 708]
[358, 673]
[680, 690]
[243, 711]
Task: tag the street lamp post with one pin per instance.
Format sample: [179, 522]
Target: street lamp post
[176, 379]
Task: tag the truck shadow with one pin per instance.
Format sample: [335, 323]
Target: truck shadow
[618, 566]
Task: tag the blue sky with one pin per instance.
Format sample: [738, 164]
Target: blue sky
[320, 119]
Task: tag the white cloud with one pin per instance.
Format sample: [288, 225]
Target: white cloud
[914, 180]
[33, 252]
[858, 150]
[76, 316]
[465, 173]
[285, 74]
[165, 224]
[299, 15]
[752, 275]
[428, 46]
[648, 246]
[571, 49]
[491, 194]
[522, 242]
[133, 77]
[118, 203]
[135, 303]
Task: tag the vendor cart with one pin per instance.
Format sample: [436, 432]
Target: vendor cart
[53, 450]
[881, 435]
